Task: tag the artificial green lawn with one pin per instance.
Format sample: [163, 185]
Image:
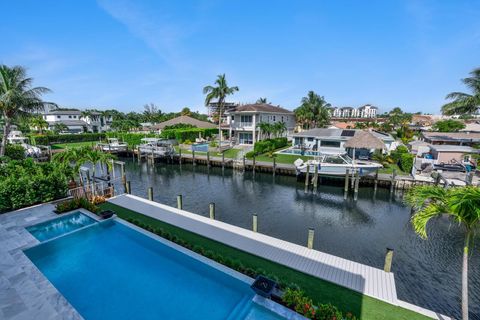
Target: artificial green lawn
[74, 145]
[319, 290]
[229, 154]
[389, 170]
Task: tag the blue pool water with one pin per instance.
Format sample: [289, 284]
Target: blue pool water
[202, 147]
[56, 227]
[110, 271]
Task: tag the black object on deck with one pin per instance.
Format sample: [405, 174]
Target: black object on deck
[105, 214]
[263, 286]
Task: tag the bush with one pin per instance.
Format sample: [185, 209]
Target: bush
[187, 134]
[250, 154]
[15, 152]
[73, 204]
[269, 145]
[406, 162]
[25, 183]
[397, 153]
[66, 138]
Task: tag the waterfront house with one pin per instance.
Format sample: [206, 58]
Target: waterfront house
[97, 122]
[452, 154]
[243, 121]
[451, 138]
[333, 140]
[183, 120]
[70, 118]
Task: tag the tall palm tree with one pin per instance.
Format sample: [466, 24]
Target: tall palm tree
[265, 129]
[219, 92]
[462, 205]
[280, 128]
[313, 112]
[17, 97]
[465, 103]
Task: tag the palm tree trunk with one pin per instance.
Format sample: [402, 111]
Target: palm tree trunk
[6, 131]
[220, 107]
[465, 276]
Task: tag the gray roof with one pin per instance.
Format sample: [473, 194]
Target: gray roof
[261, 107]
[67, 112]
[185, 120]
[450, 148]
[452, 136]
[340, 134]
[68, 122]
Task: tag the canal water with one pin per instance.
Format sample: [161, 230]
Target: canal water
[427, 272]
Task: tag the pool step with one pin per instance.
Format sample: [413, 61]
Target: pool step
[241, 309]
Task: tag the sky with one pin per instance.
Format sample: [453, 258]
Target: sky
[123, 54]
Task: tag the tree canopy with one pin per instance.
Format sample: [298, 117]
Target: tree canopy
[465, 103]
[313, 111]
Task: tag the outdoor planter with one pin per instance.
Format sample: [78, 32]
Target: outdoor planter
[263, 286]
[105, 214]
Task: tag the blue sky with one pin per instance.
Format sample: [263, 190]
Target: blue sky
[123, 54]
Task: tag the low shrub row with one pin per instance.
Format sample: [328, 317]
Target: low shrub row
[25, 182]
[406, 162]
[269, 145]
[73, 204]
[293, 297]
[296, 300]
[50, 139]
[188, 134]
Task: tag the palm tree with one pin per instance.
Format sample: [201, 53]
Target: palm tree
[265, 129]
[60, 127]
[464, 103]
[262, 100]
[219, 92]
[280, 128]
[313, 112]
[18, 98]
[462, 205]
[38, 123]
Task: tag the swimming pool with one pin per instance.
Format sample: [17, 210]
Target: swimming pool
[58, 226]
[111, 271]
[299, 152]
[202, 147]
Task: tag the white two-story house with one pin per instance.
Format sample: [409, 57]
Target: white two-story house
[365, 111]
[70, 118]
[243, 121]
[97, 122]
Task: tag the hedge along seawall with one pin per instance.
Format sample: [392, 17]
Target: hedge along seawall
[65, 138]
[269, 145]
[191, 134]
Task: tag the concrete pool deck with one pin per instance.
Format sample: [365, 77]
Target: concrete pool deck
[25, 293]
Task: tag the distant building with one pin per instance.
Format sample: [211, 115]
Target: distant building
[76, 123]
[242, 121]
[213, 109]
[366, 111]
[451, 138]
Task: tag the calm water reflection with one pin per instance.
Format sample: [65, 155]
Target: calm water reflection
[427, 272]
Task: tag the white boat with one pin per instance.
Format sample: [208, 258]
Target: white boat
[114, 145]
[336, 165]
[16, 137]
[156, 146]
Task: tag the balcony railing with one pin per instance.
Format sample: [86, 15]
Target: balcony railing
[243, 124]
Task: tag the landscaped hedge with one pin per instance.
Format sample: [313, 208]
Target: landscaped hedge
[188, 134]
[66, 138]
[25, 183]
[406, 162]
[73, 204]
[269, 145]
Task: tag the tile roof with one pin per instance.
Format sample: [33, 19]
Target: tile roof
[260, 107]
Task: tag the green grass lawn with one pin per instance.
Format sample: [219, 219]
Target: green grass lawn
[229, 154]
[74, 144]
[319, 290]
[389, 170]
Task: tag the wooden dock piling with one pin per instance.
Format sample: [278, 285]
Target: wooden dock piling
[150, 193]
[180, 202]
[392, 183]
[212, 210]
[345, 190]
[388, 260]
[357, 182]
[128, 188]
[311, 234]
[315, 179]
[375, 184]
[254, 222]
[208, 158]
[307, 174]
[193, 157]
[274, 165]
[253, 168]
[179, 155]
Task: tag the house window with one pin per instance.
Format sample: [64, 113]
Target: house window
[310, 139]
[273, 118]
[331, 144]
[74, 117]
[466, 158]
[58, 117]
[70, 117]
[246, 120]
[245, 138]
